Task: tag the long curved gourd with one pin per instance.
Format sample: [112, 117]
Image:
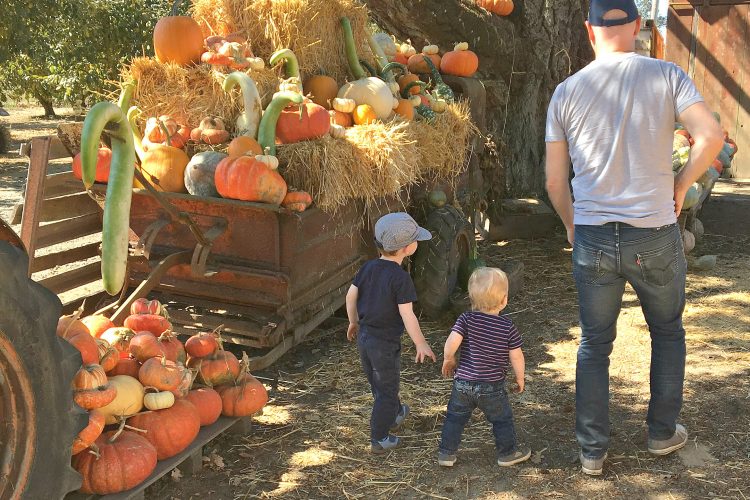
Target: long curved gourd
[133, 114]
[291, 65]
[364, 90]
[423, 111]
[126, 95]
[119, 188]
[386, 68]
[267, 130]
[442, 89]
[249, 120]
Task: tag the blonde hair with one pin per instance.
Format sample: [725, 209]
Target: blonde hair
[488, 288]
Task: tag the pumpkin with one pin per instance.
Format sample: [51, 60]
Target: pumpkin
[243, 397]
[103, 159]
[386, 43]
[364, 90]
[108, 355]
[97, 324]
[145, 346]
[297, 201]
[158, 400]
[128, 401]
[89, 377]
[160, 373]
[147, 323]
[405, 109]
[460, 61]
[322, 90]
[211, 130]
[208, 403]
[70, 326]
[244, 145]
[339, 118]
[692, 197]
[77, 334]
[201, 170]
[364, 115]
[688, 241]
[267, 128]
[88, 435]
[118, 461]
[186, 382]
[220, 368]
[232, 51]
[145, 306]
[164, 167]
[337, 131]
[716, 165]
[119, 338]
[170, 430]
[202, 344]
[417, 62]
[178, 39]
[499, 7]
[248, 179]
[405, 80]
[302, 122]
[91, 389]
[126, 366]
[248, 121]
[158, 130]
[344, 105]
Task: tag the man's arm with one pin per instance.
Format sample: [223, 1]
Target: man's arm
[351, 312]
[706, 132]
[415, 332]
[557, 170]
[449, 353]
[517, 362]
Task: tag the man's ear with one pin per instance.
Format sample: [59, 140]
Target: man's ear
[638, 23]
[590, 30]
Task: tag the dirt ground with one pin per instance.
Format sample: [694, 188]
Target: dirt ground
[312, 439]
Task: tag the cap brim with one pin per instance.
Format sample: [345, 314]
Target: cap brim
[423, 234]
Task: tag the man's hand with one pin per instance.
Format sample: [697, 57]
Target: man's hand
[520, 386]
[423, 352]
[679, 196]
[571, 234]
[449, 367]
[351, 332]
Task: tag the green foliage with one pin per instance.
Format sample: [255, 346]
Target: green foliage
[72, 50]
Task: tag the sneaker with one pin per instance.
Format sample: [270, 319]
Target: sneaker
[513, 458]
[446, 459]
[403, 412]
[592, 466]
[384, 445]
[667, 446]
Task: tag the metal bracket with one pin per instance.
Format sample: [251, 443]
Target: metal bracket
[202, 250]
[148, 237]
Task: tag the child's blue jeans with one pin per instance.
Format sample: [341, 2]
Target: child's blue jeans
[381, 362]
[491, 398]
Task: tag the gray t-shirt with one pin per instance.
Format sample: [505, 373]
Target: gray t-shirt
[617, 115]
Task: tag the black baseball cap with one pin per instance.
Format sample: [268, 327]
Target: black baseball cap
[599, 8]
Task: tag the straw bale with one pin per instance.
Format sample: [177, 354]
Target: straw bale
[189, 93]
[310, 28]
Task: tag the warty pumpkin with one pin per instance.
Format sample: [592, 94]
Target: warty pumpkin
[170, 430]
[460, 61]
[88, 435]
[297, 201]
[211, 130]
[208, 403]
[246, 178]
[128, 401]
[178, 39]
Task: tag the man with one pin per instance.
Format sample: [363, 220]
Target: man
[614, 121]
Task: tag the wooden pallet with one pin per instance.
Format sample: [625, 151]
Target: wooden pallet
[188, 462]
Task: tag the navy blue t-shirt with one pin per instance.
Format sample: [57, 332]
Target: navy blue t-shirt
[382, 285]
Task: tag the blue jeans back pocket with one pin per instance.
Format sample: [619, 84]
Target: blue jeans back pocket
[587, 264]
[659, 267]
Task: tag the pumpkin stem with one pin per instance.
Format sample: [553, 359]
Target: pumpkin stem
[351, 50]
[119, 430]
[136, 429]
[94, 450]
[175, 7]
[76, 314]
[164, 129]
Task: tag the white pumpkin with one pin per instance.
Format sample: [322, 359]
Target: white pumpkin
[372, 91]
[688, 241]
[344, 105]
[129, 399]
[337, 131]
[386, 43]
[158, 400]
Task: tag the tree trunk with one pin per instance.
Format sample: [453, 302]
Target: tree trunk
[46, 102]
[522, 58]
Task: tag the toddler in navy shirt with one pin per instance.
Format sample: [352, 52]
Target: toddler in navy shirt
[488, 342]
[379, 306]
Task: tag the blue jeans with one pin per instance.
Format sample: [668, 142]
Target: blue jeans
[653, 262]
[491, 398]
[381, 362]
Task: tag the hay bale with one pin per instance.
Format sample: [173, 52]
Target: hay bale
[189, 93]
[309, 27]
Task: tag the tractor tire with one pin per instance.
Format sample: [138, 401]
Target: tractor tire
[39, 417]
[437, 262]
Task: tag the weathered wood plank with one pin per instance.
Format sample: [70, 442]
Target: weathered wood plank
[58, 232]
[74, 278]
[34, 189]
[56, 151]
[64, 257]
[61, 184]
[63, 207]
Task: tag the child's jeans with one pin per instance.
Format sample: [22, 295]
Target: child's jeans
[381, 362]
[491, 398]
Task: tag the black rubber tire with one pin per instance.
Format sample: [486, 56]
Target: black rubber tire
[48, 364]
[437, 262]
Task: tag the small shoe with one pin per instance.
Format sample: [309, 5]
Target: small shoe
[667, 446]
[403, 412]
[446, 459]
[592, 466]
[514, 457]
[386, 444]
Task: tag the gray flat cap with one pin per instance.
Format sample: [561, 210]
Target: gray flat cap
[398, 230]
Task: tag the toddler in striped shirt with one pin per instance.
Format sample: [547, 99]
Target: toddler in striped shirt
[486, 342]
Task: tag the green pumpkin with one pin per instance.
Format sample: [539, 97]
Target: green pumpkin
[199, 173]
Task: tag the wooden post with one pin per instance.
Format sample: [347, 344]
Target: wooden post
[38, 162]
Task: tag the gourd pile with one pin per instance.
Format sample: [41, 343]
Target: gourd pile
[154, 392]
[721, 166]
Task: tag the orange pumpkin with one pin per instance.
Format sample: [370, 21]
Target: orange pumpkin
[364, 114]
[178, 39]
[164, 167]
[220, 368]
[97, 324]
[459, 62]
[170, 430]
[243, 397]
[160, 373]
[202, 344]
[405, 80]
[341, 118]
[145, 306]
[69, 326]
[122, 461]
[186, 382]
[119, 338]
[405, 109]
[322, 89]
[208, 403]
[77, 334]
[244, 145]
[91, 389]
[103, 159]
[147, 323]
[126, 366]
[89, 433]
[108, 355]
[401, 58]
[416, 63]
[248, 179]
[295, 126]
[210, 131]
[297, 201]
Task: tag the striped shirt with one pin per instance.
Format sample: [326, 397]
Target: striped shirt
[485, 345]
